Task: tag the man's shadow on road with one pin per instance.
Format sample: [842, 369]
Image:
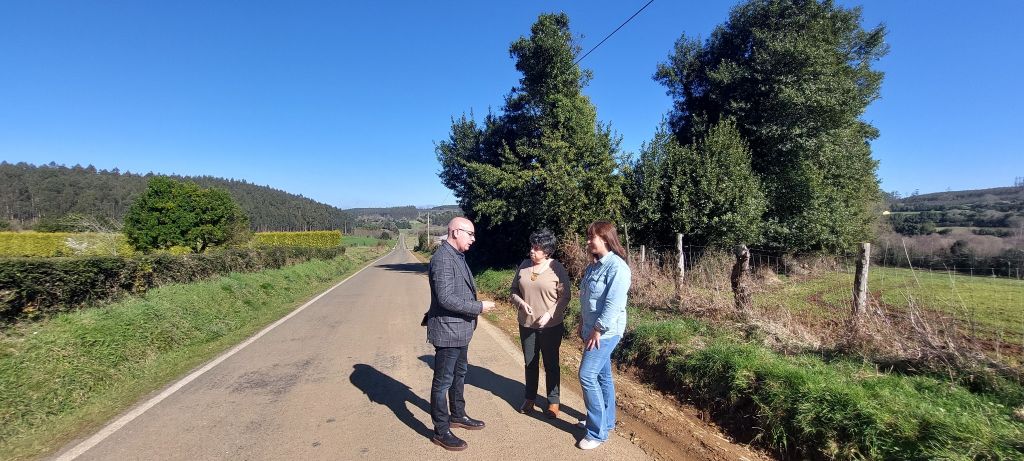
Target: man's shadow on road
[511, 391]
[385, 390]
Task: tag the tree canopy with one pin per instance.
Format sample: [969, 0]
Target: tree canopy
[545, 161]
[705, 190]
[796, 76]
[173, 213]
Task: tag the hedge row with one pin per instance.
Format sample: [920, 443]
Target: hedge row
[51, 244]
[31, 287]
[313, 239]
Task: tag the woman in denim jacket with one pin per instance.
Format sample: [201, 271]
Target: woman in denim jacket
[603, 292]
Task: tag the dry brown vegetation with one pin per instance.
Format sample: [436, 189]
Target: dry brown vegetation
[797, 310]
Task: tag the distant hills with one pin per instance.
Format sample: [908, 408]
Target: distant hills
[402, 212]
[29, 193]
[994, 197]
[997, 211]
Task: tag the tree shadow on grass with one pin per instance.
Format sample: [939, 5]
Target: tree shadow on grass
[385, 390]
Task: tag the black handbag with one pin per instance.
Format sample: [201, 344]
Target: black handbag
[423, 322]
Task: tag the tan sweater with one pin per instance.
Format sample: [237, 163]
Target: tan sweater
[547, 292]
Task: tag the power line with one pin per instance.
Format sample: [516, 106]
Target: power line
[614, 31]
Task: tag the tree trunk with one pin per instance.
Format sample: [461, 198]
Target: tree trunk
[741, 281]
[681, 266]
[860, 282]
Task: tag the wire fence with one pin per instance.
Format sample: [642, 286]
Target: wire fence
[886, 256]
[810, 299]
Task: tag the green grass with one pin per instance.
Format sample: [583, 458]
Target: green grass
[495, 282]
[71, 373]
[995, 305]
[805, 407]
[352, 241]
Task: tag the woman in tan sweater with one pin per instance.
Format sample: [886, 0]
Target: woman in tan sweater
[540, 290]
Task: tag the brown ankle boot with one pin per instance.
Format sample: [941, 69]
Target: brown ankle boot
[552, 411]
[526, 407]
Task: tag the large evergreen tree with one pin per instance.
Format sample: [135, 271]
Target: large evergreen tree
[545, 161]
[796, 76]
[705, 190]
[711, 194]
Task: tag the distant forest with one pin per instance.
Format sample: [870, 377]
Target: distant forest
[29, 193]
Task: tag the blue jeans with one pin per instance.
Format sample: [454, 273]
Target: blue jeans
[446, 390]
[599, 389]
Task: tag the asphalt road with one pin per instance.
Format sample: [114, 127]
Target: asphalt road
[346, 377]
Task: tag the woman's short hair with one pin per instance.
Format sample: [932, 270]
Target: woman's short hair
[544, 240]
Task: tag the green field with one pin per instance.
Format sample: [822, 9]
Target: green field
[353, 241]
[994, 305]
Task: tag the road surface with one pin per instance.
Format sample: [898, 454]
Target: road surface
[346, 377]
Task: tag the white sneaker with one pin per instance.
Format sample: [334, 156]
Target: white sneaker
[589, 444]
[582, 424]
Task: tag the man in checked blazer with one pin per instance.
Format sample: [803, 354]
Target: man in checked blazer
[450, 323]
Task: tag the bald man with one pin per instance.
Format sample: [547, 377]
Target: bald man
[450, 323]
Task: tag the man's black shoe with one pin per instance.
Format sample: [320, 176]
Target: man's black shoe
[449, 441]
[466, 422]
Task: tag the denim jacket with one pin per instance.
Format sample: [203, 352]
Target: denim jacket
[603, 292]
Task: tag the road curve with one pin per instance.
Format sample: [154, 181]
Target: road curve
[348, 377]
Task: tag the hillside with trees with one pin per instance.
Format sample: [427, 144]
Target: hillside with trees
[33, 196]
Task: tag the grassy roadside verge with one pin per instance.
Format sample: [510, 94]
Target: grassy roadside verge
[804, 406]
[69, 374]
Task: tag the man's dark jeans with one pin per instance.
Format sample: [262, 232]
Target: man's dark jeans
[446, 391]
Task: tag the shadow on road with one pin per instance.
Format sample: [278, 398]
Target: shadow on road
[409, 268]
[385, 390]
[511, 391]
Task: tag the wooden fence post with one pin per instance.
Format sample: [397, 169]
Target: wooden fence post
[643, 254]
[740, 280]
[629, 251]
[681, 266]
[860, 281]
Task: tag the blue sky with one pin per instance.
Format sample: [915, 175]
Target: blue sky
[342, 101]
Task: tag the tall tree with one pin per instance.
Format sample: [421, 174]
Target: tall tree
[710, 193]
[705, 190]
[796, 76]
[644, 193]
[545, 161]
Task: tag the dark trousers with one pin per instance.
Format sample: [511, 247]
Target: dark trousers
[536, 343]
[446, 391]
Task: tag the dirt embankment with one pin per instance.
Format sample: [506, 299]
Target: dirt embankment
[658, 423]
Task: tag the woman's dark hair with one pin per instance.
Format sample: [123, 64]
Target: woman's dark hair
[606, 230]
[544, 240]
